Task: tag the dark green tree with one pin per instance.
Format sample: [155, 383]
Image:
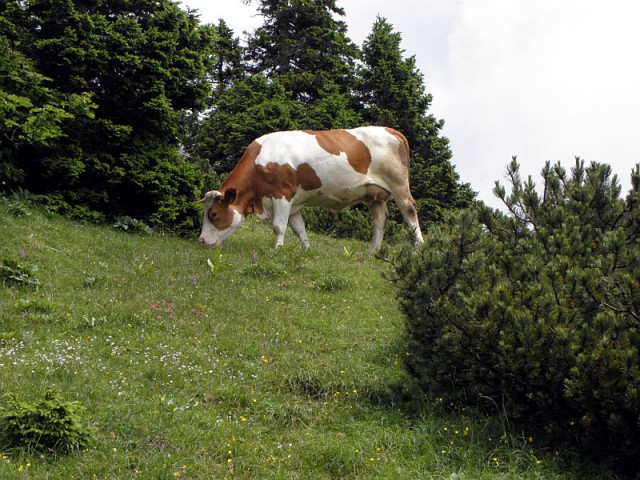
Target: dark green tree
[305, 48]
[300, 68]
[536, 310]
[211, 144]
[228, 67]
[392, 93]
[250, 108]
[143, 64]
[31, 112]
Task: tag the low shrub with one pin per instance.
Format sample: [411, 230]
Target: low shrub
[131, 225]
[57, 204]
[349, 223]
[51, 425]
[14, 272]
[537, 311]
[18, 209]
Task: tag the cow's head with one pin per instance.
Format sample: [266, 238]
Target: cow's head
[221, 218]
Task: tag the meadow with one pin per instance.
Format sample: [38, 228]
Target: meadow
[246, 363]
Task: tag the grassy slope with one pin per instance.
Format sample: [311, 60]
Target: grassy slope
[274, 365]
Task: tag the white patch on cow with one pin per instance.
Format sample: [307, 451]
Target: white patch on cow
[295, 148]
[341, 185]
[383, 147]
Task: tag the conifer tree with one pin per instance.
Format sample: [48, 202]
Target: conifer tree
[227, 67]
[537, 309]
[250, 108]
[303, 47]
[392, 93]
[299, 68]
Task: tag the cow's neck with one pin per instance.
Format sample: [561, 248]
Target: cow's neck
[247, 201]
[248, 204]
[242, 179]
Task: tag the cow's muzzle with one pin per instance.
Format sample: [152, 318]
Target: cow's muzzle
[204, 242]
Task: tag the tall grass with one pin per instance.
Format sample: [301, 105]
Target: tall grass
[245, 363]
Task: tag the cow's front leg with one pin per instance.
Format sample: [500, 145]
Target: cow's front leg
[379, 214]
[297, 225]
[281, 210]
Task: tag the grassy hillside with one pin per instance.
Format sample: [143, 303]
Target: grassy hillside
[259, 364]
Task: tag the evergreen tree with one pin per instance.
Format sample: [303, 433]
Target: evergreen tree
[392, 93]
[227, 65]
[305, 49]
[300, 72]
[143, 63]
[250, 108]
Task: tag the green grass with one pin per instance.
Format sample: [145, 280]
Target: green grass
[256, 364]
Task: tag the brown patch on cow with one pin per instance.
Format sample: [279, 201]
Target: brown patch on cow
[277, 181]
[241, 178]
[338, 141]
[253, 182]
[403, 146]
[308, 178]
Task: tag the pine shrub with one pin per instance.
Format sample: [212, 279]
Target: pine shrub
[51, 425]
[535, 311]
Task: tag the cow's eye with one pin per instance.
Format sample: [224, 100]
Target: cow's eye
[212, 216]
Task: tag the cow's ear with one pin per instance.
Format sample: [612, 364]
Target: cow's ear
[229, 196]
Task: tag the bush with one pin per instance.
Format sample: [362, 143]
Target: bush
[56, 204]
[131, 225]
[14, 272]
[536, 311]
[18, 210]
[51, 425]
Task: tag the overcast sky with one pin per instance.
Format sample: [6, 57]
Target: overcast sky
[538, 79]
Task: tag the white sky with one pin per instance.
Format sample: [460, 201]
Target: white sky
[539, 79]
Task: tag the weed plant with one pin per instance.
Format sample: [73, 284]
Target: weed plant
[245, 363]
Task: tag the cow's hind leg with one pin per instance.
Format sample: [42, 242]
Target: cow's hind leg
[297, 225]
[379, 214]
[407, 206]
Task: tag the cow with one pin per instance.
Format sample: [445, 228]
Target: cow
[281, 172]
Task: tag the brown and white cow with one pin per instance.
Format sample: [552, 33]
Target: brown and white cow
[281, 172]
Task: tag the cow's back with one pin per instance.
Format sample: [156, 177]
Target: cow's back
[346, 162]
[336, 151]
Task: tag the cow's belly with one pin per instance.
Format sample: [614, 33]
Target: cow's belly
[339, 198]
[334, 199]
